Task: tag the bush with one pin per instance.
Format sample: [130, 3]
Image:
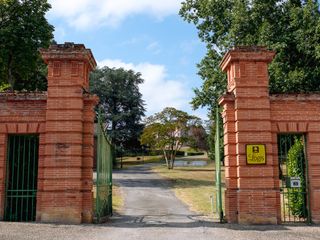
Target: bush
[160, 152]
[296, 165]
[195, 153]
[180, 153]
[155, 152]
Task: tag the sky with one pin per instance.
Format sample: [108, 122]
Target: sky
[147, 36]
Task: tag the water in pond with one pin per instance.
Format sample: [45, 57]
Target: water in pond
[191, 163]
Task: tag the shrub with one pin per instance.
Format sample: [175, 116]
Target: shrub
[295, 168]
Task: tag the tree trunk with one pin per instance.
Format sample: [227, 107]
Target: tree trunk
[166, 158]
[172, 162]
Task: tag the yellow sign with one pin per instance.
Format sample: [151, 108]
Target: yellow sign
[256, 153]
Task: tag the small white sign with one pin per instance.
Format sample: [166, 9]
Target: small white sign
[295, 182]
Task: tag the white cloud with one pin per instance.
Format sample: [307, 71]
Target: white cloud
[83, 14]
[158, 91]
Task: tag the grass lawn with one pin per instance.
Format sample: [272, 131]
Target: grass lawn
[193, 185]
[117, 199]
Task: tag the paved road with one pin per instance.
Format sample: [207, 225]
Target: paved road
[149, 199]
[152, 212]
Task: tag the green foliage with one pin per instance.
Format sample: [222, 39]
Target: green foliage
[121, 102]
[198, 138]
[296, 168]
[4, 86]
[211, 137]
[168, 131]
[23, 30]
[194, 153]
[291, 28]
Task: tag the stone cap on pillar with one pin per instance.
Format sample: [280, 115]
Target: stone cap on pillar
[69, 51]
[246, 53]
[68, 64]
[247, 66]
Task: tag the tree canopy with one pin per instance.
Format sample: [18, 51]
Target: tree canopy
[168, 131]
[122, 104]
[291, 28]
[23, 30]
[199, 138]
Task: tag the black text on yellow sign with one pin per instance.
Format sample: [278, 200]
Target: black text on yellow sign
[256, 154]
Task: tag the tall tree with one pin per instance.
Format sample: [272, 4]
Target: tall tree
[291, 28]
[168, 131]
[23, 30]
[198, 137]
[122, 103]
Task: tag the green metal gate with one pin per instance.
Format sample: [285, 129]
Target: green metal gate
[293, 172]
[21, 178]
[103, 203]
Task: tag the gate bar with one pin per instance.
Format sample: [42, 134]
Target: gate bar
[23, 166]
[307, 179]
[18, 171]
[34, 180]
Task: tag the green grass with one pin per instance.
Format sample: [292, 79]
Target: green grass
[117, 199]
[192, 185]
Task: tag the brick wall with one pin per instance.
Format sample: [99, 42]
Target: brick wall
[63, 116]
[252, 116]
[300, 113]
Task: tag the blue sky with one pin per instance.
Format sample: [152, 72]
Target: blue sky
[147, 36]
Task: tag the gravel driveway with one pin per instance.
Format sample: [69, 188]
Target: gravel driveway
[152, 211]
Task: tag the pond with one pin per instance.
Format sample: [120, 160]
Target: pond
[190, 163]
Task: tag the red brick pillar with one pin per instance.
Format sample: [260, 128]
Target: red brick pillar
[313, 156]
[257, 185]
[87, 157]
[62, 188]
[230, 158]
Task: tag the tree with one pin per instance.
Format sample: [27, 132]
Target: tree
[168, 131]
[23, 30]
[198, 137]
[291, 28]
[121, 102]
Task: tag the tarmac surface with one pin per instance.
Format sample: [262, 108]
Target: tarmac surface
[151, 211]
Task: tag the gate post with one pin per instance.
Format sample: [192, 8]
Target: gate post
[230, 158]
[65, 175]
[252, 189]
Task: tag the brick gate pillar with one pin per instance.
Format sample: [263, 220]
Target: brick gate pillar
[230, 158]
[252, 190]
[65, 176]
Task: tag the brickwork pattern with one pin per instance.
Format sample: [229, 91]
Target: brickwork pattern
[63, 117]
[252, 116]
